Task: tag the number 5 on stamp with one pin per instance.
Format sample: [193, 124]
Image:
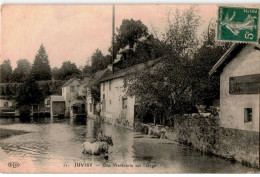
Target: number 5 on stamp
[237, 24]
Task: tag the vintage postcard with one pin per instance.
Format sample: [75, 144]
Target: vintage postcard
[129, 88]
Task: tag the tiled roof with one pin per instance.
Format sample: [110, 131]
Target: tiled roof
[70, 81]
[57, 98]
[98, 76]
[229, 55]
[131, 69]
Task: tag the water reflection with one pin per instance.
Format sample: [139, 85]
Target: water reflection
[60, 139]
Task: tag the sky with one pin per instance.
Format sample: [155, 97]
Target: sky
[74, 32]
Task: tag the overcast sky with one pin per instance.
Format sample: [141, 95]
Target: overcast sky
[73, 32]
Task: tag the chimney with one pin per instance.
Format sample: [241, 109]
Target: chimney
[110, 67]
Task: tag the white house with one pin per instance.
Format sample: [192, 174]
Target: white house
[69, 91]
[239, 70]
[117, 107]
[94, 81]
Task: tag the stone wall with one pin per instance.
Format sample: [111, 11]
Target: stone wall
[205, 135]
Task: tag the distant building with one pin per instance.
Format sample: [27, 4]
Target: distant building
[6, 103]
[239, 70]
[116, 106]
[69, 91]
[56, 105]
[7, 106]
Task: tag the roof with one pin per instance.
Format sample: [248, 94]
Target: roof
[70, 81]
[229, 55]
[57, 98]
[132, 69]
[76, 105]
[98, 76]
[85, 80]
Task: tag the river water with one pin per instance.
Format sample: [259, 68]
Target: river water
[54, 145]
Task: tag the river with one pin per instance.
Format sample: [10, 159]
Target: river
[54, 145]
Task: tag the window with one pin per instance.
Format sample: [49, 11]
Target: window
[90, 107]
[72, 88]
[104, 96]
[109, 85]
[104, 86]
[124, 103]
[248, 114]
[110, 102]
[6, 104]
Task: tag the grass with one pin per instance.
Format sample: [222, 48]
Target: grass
[5, 133]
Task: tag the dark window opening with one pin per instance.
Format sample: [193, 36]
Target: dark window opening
[248, 114]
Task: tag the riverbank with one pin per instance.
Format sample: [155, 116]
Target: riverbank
[6, 133]
[205, 135]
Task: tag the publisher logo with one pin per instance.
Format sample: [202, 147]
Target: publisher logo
[13, 164]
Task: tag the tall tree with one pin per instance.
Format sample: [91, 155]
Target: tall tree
[56, 74]
[6, 71]
[206, 88]
[134, 44]
[99, 61]
[22, 70]
[68, 70]
[165, 90]
[28, 94]
[41, 69]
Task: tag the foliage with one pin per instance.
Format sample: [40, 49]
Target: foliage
[99, 61]
[5, 71]
[29, 93]
[165, 88]
[206, 88]
[128, 34]
[95, 93]
[67, 71]
[41, 69]
[134, 45]
[87, 70]
[22, 70]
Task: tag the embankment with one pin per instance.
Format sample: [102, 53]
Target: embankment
[205, 134]
[6, 133]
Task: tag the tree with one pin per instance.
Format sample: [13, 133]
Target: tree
[99, 61]
[68, 70]
[165, 89]
[56, 74]
[205, 88]
[87, 70]
[41, 69]
[22, 70]
[6, 71]
[29, 93]
[133, 44]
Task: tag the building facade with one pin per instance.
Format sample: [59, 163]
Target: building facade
[93, 106]
[239, 70]
[70, 91]
[56, 105]
[117, 107]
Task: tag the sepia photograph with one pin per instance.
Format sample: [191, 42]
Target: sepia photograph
[130, 88]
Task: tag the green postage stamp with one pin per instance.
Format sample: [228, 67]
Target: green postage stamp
[237, 24]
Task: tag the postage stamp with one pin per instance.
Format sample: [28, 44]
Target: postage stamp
[237, 24]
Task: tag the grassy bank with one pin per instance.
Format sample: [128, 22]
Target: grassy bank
[5, 133]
